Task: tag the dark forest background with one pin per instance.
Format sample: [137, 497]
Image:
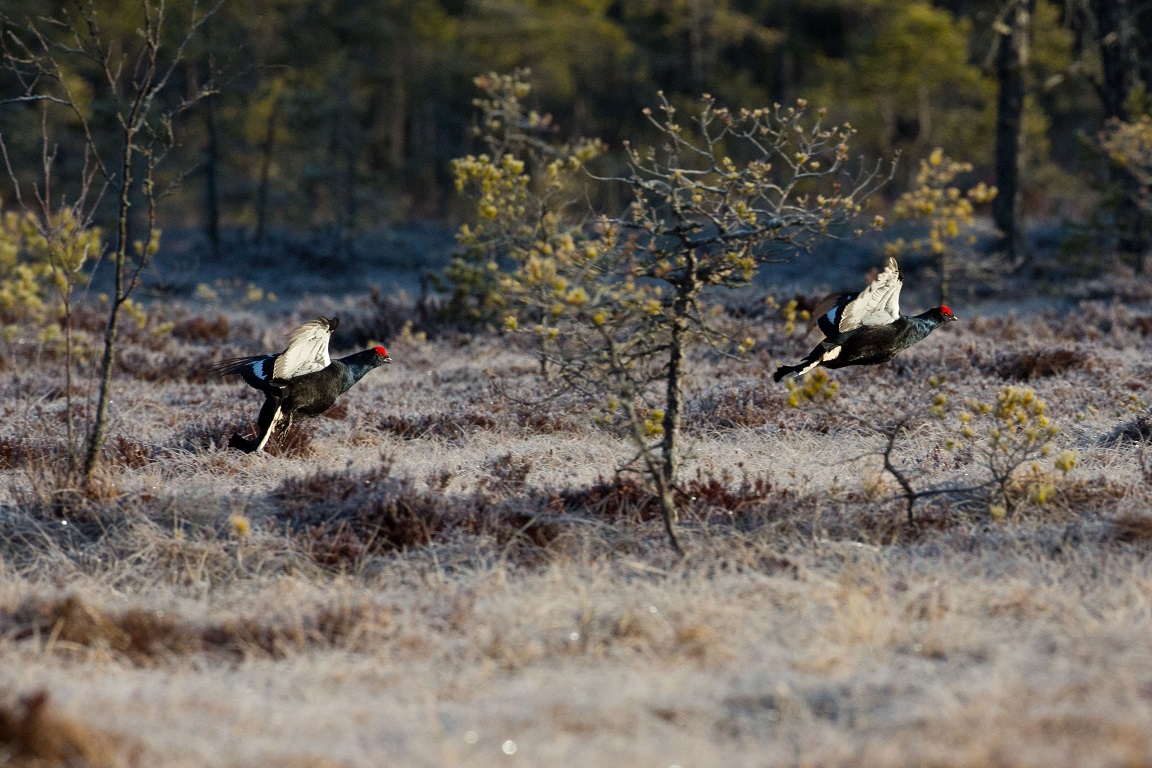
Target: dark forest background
[343, 115]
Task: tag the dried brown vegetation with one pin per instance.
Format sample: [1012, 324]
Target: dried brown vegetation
[1038, 363]
[147, 637]
[439, 570]
[33, 734]
[456, 421]
[200, 328]
[341, 517]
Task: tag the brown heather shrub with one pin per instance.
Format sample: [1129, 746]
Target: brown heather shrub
[747, 406]
[540, 419]
[33, 734]
[200, 328]
[627, 497]
[1130, 526]
[18, 452]
[134, 634]
[707, 493]
[129, 453]
[624, 497]
[211, 434]
[506, 474]
[1005, 329]
[379, 316]
[90, 317]
[164, 366]
[294, 443]
[490, 412]
[450, 425]
[338, 412]
[341, 517]
[146, 637]
[55, 508]
[1037, 363]
[1088, 493]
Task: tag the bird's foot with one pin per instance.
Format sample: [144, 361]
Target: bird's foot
[783, 371]
[242, 444]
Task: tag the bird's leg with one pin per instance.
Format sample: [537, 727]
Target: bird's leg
[269, 415]
[264, 422]
[283, 431]
[278, 390]
[813, 359]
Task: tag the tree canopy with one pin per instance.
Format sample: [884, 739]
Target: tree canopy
[346, 114]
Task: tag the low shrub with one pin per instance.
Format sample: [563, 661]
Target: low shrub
[202, 329]
[34, 734]
[1038, 363]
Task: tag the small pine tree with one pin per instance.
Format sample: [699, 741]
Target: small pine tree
[616, 303]
[949, 213]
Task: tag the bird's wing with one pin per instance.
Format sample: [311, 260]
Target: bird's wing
[256, 370]
[826, 313]
[878, 304]
[307, 349]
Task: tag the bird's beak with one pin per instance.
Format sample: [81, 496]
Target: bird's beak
[952, 318]
[387, 359]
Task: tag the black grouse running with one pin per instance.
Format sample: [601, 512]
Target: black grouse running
[866, 328]
[302, 379]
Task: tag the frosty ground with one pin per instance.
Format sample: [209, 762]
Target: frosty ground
[446, 570]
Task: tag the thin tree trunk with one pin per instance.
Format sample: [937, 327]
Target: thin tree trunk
[99, 424]
[266, 152]
[945, 278]
[397, 115]
[783, 77]
[923, 115]
[1011, 58]
[350, 182]
[887, 111]
[100, 421]
[348, 144]
[697, 77]
[674, 400]
[651, 461]
[211, 180]
[669, 447]
[1114, 37]
[668, 510]
[545, 373]
[70, 423]
[1115, 29]
[664, 489]
[687, 289]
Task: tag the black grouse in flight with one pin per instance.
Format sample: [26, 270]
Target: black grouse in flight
[866, 328]
[302, 379]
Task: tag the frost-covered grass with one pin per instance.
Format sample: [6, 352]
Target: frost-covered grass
[441, 574]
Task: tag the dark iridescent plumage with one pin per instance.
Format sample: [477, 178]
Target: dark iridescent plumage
[866, 328]
[312, 385]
